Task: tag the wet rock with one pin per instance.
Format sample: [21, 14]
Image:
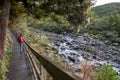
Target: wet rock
[71, 59]
[62, 40]
[62, 48]
[115, 44]
[79, 48]
[76, 47]
[68, 43]
[94, 57]
[57, 43]
[116, 59]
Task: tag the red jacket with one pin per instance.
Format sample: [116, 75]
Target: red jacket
[21, 40]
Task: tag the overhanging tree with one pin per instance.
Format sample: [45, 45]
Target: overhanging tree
[75, 11]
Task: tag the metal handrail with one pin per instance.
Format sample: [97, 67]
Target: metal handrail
[55, 71]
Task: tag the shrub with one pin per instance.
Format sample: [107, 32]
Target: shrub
[87, 70]
[107, 73]
[3, 69]
[6, 58]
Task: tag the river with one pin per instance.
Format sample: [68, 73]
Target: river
[75, 50]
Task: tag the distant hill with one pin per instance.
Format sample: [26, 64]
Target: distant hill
[107, 9]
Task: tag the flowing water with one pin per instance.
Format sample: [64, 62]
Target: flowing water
[75, 49]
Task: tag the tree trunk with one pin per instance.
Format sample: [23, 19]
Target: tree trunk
[4, 17]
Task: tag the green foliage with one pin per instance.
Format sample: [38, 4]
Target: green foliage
[29, 1]
[16, 9]
[75, 12]
[0, 11]
[54, 23]
[3, 69]
[115, 22]
[6, 58]
[107, 73]
[54, 58]
[19, 25]
[39, 39]
[38, 13]
[107, 10]
[108, 27]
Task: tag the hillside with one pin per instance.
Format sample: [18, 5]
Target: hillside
[107, 9]
[106, 22]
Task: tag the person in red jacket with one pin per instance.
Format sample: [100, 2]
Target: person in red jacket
[21, 41]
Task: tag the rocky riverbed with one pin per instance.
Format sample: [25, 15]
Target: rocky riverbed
[75, 49]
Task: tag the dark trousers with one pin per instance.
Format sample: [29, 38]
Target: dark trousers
[21, 47]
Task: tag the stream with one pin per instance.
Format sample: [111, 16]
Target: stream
[75, 50]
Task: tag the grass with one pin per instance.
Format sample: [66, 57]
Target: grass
[87, 70]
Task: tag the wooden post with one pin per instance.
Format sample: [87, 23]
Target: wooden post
[43, 73]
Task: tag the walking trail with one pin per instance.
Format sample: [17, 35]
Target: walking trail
[19, 68]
